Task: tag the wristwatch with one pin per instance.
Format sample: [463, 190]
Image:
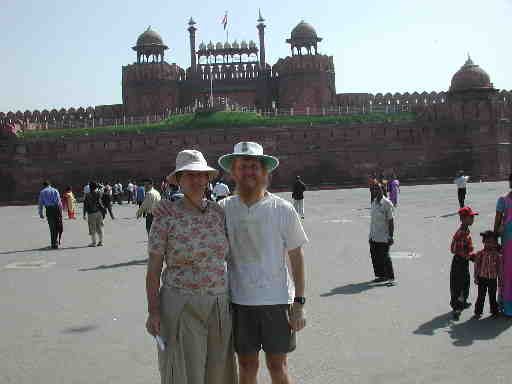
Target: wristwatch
[300, 299]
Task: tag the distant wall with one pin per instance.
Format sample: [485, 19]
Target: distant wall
[419, 151]
[359, 99]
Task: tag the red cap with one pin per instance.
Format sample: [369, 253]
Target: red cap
[467, 211]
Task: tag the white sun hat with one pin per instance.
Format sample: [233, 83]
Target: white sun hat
[248, 149]
[191, 160]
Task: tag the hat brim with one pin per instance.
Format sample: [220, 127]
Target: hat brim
[212, 172]
[226, 161]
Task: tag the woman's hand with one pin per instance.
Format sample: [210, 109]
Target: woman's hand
[153, 324]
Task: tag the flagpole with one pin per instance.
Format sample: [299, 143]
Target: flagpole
[211, 87]
[226, 26]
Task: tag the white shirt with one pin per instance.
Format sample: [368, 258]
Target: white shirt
[461, 181]
[221, 190]
[381, 213]
[260, 237]
[87, 189]
[130, 187]
[150, 199]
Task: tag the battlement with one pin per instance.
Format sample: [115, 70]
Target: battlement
[415, 98]
[301, 64]
[46, 116]
[152, 71]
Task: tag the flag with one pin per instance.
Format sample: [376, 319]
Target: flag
[225, 20]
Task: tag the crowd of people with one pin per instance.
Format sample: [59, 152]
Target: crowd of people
[99, 197]
[225, 270]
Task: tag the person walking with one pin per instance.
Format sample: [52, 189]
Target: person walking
[503, 226]
[117, 193]
[151, 197]
[382, 229]
[87, 189]
[461, 180]
[140, 194]
[106, 199]
[130, 189]
[221, 190]
[372, 186]
[188, 304]
[394, 190]
[94, 212]
[49, 198]
[265, 235]
[298, 196]
[68, 203]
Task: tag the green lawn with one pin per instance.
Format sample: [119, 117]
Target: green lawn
[217, 120]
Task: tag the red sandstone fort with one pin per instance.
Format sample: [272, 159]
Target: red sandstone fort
[466, 127]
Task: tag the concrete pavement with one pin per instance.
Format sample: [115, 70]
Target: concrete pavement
[77, 314]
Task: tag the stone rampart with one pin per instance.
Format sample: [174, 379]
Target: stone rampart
[325, 155]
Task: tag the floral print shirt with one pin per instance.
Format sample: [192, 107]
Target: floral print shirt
[194, 247]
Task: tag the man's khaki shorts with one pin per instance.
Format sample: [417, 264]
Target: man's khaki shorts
[266, 327]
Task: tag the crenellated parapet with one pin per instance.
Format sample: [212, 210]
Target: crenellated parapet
[63, 114]
[302, 64]
[415, 98]
[152, 71]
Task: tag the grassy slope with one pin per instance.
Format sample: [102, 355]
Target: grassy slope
[217, 120]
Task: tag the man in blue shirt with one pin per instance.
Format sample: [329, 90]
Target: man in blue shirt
[49, 198]
[140, 194]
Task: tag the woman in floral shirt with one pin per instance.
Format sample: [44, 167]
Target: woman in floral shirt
[190, 310]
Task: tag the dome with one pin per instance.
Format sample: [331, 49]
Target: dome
[218, 45]
[470, 76]
[211, 46]
[304, 31]
[202, 46]
[149, 37]
[235, 44]
[227, 45]
[243, 45]
[252, 44]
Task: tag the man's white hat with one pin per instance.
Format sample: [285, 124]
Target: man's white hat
[248, 149]
[191, 160]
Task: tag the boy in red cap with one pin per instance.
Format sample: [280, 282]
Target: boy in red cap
[462, 249]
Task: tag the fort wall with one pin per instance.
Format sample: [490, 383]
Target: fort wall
[337, 155]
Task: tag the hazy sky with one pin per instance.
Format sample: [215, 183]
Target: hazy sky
[69, 53]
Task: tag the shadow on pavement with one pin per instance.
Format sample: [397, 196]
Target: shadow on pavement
[433, 325]
[120, 265]
[83, 329]
[442, 216]
[465, 334]
[353, 289]
[449, 215]
[41, 249]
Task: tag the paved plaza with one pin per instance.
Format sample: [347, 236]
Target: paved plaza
[77, 314]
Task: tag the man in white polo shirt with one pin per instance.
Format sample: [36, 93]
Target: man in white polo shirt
[266, 236]
[461, 180]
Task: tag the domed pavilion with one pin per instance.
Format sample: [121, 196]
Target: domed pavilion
[470, 77]
[304, 36]
[150, 46]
